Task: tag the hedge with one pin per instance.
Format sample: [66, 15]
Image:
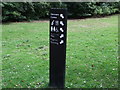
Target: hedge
[26, 11]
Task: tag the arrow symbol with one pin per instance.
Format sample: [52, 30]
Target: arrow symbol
[61, 42]
[61, 22]
[61, 30]
[61, 36]
[61, 15]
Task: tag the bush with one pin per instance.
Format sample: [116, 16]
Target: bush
[20, 11]
[23, 11]
[106, 8]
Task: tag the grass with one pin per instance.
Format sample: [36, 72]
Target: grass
[92, 46]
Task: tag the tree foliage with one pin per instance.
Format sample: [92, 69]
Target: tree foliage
[19, 11]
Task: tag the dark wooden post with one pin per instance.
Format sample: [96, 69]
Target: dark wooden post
[58, 33]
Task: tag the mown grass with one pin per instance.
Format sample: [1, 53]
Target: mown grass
[91, 60]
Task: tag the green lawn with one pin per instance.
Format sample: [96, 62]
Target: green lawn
[92, 46]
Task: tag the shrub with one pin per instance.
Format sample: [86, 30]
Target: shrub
[19, 11]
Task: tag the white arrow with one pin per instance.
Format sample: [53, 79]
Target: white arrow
[61, 15]
[61, 22]
[61, 36]
[61, 42]
[61, 30]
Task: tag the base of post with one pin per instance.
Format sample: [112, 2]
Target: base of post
[55, 86]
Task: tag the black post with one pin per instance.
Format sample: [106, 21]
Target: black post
[58, 33]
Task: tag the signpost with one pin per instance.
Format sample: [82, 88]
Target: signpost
[58, 32]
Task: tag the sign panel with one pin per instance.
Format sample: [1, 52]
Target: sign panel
[58, 32]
